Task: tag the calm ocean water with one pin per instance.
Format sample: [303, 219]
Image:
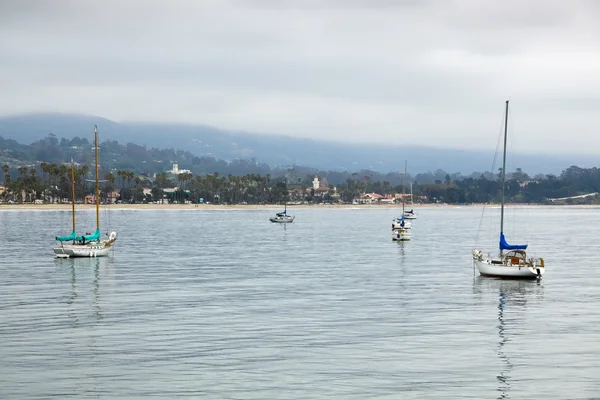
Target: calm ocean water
[225, 305]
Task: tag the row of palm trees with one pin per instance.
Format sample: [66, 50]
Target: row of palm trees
[52, 183]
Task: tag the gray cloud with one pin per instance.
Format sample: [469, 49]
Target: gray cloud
[430, 72]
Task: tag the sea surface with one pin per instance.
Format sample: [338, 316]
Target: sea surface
[225, 305]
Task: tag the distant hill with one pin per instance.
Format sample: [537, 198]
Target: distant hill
[275, 150]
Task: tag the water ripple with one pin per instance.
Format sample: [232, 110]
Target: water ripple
[199, 304]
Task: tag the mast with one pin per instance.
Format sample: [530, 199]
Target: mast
[403, 184]
[97, 197]
[503, 172]
[73, 193]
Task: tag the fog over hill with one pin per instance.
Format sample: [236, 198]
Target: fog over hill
[279, 150]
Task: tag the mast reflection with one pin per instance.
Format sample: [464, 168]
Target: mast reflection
[513, 299]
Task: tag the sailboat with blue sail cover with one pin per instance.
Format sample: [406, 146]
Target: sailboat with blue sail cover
[89, 245]
[512, 260]
[282, 217]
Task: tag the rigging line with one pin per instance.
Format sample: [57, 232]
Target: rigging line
[498, 142]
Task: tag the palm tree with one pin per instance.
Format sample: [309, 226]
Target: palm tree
[63, 175]
[83, 172]
[33, 183]
[137, 181]
[109, 185]
[22, 183]
[122, 175]
[7, 180]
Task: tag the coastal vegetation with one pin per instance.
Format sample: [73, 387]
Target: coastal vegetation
[134, 174]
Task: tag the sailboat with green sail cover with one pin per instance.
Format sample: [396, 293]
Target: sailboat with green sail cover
[89, 245]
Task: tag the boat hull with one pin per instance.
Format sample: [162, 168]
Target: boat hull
[69, 251]
[94, 249]
[281, 220]
[401, 234]
[486, 268]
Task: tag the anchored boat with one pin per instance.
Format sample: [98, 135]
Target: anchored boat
[282, 217]
[512, 260]
[89, 245]
[401, 229]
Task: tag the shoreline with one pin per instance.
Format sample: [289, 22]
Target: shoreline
[220, 207]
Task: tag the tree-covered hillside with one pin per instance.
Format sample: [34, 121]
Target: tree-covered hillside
[41, 171]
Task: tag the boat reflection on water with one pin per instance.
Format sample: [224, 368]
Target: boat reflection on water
[401, 248]
[85, 269]
[514, 298]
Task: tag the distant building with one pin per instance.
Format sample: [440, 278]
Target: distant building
[387, 199]
[176, 171]
[369, 198]
[112, 197]
[316, 182]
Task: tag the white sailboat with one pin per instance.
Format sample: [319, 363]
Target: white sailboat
[512, 260]
[410, 214]
[282, 217]
[401, 229]
[89, 245]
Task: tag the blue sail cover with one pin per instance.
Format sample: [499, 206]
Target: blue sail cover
[401, 219]
[92, 237]
[506, 246]
[281, 214]
[72, 236]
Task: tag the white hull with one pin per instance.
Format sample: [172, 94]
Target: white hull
[504, 271]
[75, 250]
[401, 234]
[410, 216]
[503, 268]
[94, 249]
[282, 220]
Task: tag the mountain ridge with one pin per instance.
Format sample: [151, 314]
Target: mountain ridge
[273, 149]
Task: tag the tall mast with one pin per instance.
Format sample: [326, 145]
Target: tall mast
[73, 192]
[97, 197]
[403, 184]
[503, 172]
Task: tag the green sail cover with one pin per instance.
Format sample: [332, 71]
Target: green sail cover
[69, 238]
[90, 238]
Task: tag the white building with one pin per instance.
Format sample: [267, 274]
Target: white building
[177, 171]
[316, 182]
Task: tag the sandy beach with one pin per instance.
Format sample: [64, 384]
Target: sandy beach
[220, 207]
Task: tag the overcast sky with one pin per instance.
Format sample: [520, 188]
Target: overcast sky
[419, 72]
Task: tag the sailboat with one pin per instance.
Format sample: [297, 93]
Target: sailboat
[282, 217]
[512, 261]
[88, 245]
[410, 214]
[401, 229]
